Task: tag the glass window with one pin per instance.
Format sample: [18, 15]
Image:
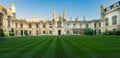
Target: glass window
[80, 25]
[95, 25]
[87, 26]
[114, 20]
[74, 26]
[37, 25]
[21, 25]
[44, 26]
[30, 26]
[106, 22]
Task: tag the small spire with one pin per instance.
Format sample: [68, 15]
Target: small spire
[64, 12]
[71, 18]
[40, 17]
[3, 5]
[76, 18]
[13, 4]
[47, 18]
[33, 17]
[84, 19]
[102, 6]
[54, 11]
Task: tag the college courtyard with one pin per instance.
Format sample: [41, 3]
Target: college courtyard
[60, 37]
[71, 46]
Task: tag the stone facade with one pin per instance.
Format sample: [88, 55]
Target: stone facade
[59, 25]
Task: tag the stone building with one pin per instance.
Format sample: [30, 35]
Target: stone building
[60, 25]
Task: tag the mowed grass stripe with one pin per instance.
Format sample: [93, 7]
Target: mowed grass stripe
[51, 50]
[68, 50]
[81, 49]
[97, 46]
[12, 44]
[60, 53]
[11, 48]
[43, 48]
[28, 48]
[19, 50]
[99, 53]
[34, 49]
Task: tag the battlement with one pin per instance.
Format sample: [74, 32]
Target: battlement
[112, 7]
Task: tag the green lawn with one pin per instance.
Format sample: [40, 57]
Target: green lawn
[61, 47]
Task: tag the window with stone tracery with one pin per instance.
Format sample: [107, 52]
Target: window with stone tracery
[0, 19]
[59, 24]
[74, 25]
[106, 22]
[37, 25]
[114, 20]
[80, 25]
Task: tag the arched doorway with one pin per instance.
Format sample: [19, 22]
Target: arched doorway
[21, 32]
[59, 32]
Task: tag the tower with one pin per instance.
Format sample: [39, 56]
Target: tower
[54, 14]
[64, 15]
[102, 11]
[13, 9]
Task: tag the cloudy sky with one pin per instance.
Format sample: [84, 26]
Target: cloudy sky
[43, 8]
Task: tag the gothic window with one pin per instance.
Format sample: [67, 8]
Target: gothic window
[50, 25]
[95, 25]
[37, 25]
[67, 32]
[74, 26]
[16, 25]
[106, 22]
[21, 25]
[114, 20]
[87, 26]
[43, 32]
[114, 30]
[1, 15]
[44, 26]
[59, 24]
[99, 31]
[80, 25]
[0, 19]
[106, 30]
[67, 26]
[9, 18]
[99, 24]
[50, 32]
[30, 26]
[30, 32]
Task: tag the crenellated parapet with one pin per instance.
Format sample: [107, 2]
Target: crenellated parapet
[112, 7]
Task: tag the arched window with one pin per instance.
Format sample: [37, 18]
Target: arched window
[59, 24]
[37, 25]
[50, 32]
[106, 22]
[67, 31]
[43, 32]
[95, 25]
[74, 25]
[87, 26]
[114, 20]
[0, 19]
[80, 25]
[21, 25]
[30, 26]
[67, 25]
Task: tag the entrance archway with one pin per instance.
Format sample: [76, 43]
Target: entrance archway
[59, 32]
[21, 32]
